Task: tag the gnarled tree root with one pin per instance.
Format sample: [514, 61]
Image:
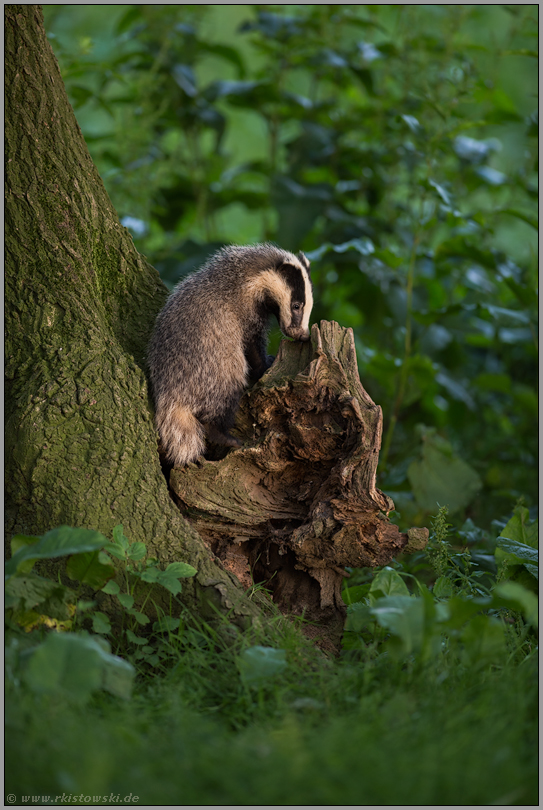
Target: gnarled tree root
[298, 503]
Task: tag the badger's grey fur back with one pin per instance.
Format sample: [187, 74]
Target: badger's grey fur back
[210, 339]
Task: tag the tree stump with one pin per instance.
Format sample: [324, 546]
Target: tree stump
[298, 503]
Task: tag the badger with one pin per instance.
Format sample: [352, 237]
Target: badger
[210, 341]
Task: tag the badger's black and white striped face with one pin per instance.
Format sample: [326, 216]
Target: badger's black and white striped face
[298, 282]
[290, 289]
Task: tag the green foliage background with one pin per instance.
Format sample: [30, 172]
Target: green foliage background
[397, 146]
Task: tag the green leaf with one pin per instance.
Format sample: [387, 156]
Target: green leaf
[116, 550]
[88, 568]
[166, 624]
[461, 609]
[387, 582]
[520, 529]
[20, 541]
[75, 666]
[506, 317]
[59, 542]
[141, 618]
[409, 622]
[413, 124]
[101, 623]
[150, 574]
[359, 615]
[521, 551]
[515, 596]
[361, 245]
[522, 215]
[135, 639]
[119, 547]
[125, 599]
[181, 570]
[259, 664]
[443, 588]
[441, 478]
[137, 551]
[111, 587]
[355, 594]
[67, 664]
[30, 590]
[171, 583]
[119, 538]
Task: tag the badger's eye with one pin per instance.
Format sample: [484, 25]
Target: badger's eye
[296, 306]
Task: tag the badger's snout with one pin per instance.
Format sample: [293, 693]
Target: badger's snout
[297, 333]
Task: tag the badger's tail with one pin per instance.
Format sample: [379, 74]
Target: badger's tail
[181, 434]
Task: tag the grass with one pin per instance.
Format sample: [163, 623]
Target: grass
[432, 702]
[367, 731]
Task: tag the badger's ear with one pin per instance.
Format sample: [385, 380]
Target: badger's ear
[304, 261]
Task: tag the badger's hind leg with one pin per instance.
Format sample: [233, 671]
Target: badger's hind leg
[218, 436]
[217, 428]
[181, 434]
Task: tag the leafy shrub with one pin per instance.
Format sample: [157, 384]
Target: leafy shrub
[70, 661]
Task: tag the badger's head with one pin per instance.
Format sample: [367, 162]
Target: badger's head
[288, 294]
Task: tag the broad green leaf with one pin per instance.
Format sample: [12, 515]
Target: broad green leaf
[441, 478]
[66, 664]
[126, 599]
[115, 550]
[520, 529]
[181, 570]
[507, 317]
[59, 542]
[89, 569]
[117, 676]
[355, 594]
[28, 591]
[101, 623]
[387, 582]
[521, 551]
[119, 538]
[150, 574]
[111, 587]
[171, 583]
[137, 551]
[141, 618]
[405, 618]
[20, 541]
[259, 664]
[515, 596]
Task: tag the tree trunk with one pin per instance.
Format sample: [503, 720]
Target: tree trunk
[291, 509]
[81, 448]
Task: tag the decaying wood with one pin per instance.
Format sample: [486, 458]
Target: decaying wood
[298, 503]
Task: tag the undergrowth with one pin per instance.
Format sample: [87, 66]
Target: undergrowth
[432, 701]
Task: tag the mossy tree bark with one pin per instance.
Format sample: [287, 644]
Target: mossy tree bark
[81, 448]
